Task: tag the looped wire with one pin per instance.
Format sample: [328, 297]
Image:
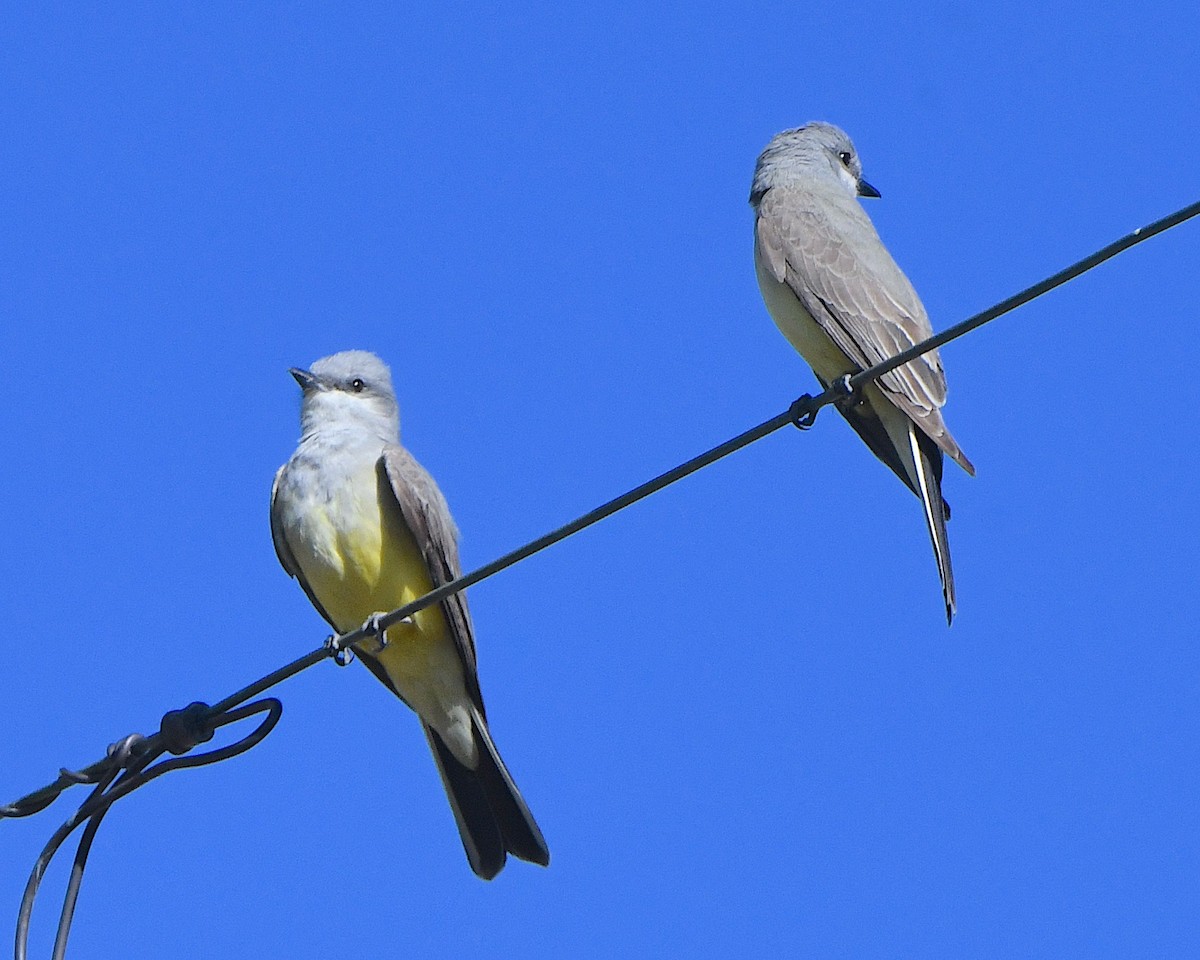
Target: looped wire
[128, 765]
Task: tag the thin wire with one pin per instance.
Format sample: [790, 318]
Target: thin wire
[278, 676]
[800, 409]
[129, 764]
[802, 413]
[804, 409]
[1030, 293]
[39, 869]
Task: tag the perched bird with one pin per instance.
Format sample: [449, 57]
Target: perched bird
[365, 530]
[837, 295]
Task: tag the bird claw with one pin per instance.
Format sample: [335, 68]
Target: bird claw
[804, 415]
[341, 655]
[374, 626]
[843, 388]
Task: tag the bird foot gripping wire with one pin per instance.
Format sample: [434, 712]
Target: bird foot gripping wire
[341, 648]
[372, 636]
[843, 388]
[803, 412]
[377, 631]
[342, 654]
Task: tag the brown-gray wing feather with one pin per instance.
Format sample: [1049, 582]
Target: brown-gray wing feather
[428, 518]
[845, 278]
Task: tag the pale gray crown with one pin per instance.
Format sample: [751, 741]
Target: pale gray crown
[348, 388]
[342, 369]
[817, 151]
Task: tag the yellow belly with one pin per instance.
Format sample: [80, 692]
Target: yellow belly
[362, 559]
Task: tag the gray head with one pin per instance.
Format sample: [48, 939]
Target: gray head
[351, 390]
[815, 150]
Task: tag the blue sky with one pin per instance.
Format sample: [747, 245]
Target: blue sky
[735, 709]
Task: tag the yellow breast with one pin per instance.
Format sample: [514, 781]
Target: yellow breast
[359, 557]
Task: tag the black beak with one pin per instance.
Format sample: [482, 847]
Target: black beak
[306, 380]
[866, 190]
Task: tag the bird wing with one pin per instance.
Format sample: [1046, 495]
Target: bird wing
[427, 517]
[823, 246]
[284, 552]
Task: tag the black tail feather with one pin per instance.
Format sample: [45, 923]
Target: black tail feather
[492, 818]
[929, 462]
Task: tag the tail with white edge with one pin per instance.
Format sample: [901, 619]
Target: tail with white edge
[917, 460]
[927, 459]
[492, 818]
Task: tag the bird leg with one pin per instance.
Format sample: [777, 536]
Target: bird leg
[341, 655]
[374, 626]
[843, 389]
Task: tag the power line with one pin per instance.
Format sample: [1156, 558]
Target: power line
[1030, 293]
[802, 412]
[134, 761]
[129, 764]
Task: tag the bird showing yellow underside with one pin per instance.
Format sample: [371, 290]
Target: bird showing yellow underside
[358, 559]
[365, 529]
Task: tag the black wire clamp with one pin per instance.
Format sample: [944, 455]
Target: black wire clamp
[128, 764]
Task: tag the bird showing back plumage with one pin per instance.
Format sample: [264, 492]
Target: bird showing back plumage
[364, 529]
[835, 292]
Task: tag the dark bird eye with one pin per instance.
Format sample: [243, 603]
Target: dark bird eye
[844, 156]
[357, 385]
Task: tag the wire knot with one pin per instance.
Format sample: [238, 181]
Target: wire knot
[184, 729]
